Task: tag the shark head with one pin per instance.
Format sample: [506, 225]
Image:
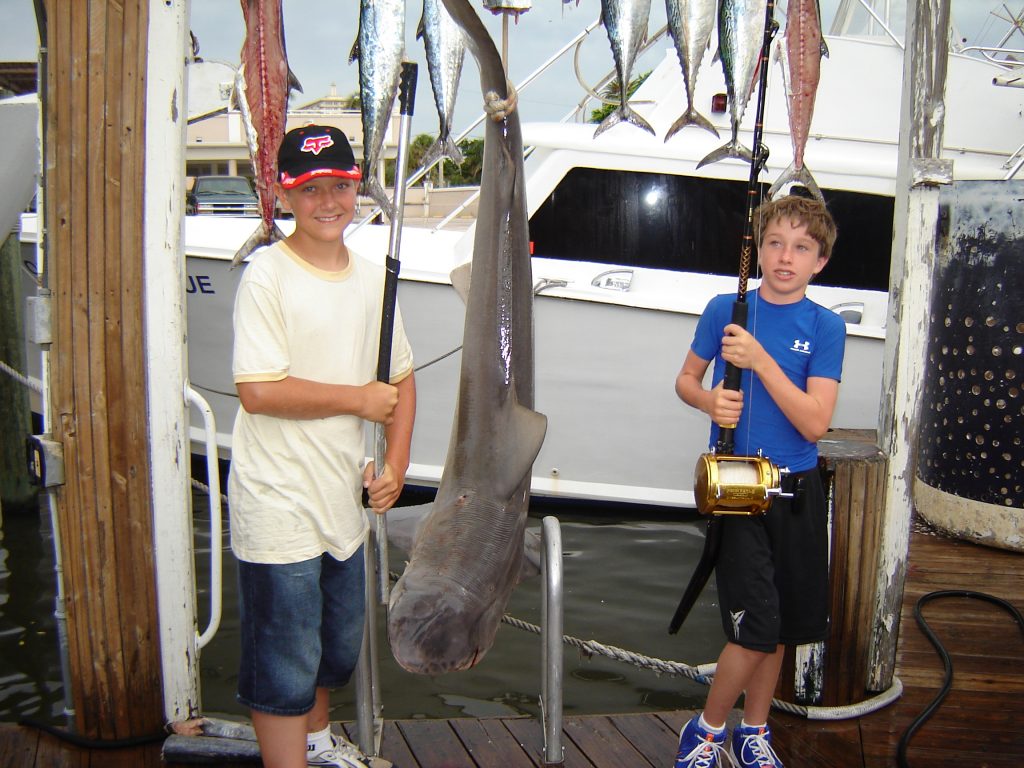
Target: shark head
[436, 626]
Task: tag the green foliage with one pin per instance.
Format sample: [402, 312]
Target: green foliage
[466, 174]
[612, 92]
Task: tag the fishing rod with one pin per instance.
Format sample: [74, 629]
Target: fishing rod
[723, 483]
[392, 264]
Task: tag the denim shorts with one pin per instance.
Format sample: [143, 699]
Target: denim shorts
[301, 629]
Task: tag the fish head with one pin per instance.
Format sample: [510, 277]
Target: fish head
[436, 625]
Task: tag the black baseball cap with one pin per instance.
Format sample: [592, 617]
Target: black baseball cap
[312, 151]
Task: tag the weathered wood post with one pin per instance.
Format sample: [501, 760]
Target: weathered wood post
[95, 133]
[920, 173]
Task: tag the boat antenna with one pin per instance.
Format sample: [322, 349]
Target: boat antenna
[725, 443]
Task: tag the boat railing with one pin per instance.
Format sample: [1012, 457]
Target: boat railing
[572, 45]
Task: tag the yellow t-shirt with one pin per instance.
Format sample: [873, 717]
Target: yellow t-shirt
[295, 484]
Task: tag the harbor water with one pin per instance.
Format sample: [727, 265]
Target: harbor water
[624, 571]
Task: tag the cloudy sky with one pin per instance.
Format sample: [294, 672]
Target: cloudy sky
[319, 37]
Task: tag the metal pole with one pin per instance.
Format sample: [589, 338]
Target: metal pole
[407, 99]
[551, 631]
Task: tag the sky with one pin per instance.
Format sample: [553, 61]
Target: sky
[319, 37]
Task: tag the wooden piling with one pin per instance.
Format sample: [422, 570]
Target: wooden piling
[94, 143]
[854, 471]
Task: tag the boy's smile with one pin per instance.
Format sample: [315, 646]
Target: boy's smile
[789, 258]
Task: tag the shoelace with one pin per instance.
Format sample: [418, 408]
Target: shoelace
[760, 749]
[343, 757]
[705, 754]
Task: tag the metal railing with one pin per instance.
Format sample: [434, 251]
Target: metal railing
[368, 699]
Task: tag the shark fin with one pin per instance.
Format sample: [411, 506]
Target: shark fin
[460, 277]
[524, 434]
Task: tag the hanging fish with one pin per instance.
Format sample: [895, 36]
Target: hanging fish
[379, 48]
[802, 50]
[740, 36]
[626, 24]
[446, 49]
[262, 88]
[690, 23]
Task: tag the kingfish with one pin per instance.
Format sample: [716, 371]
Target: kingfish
[740, 37]
[802, 50]
[262, 88]
[690, 23]
[380, 48]
[625, 21]
[464, 564]
[446, 48]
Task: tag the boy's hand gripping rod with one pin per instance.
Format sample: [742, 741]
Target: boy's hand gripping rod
[725, 443]
[406, 100]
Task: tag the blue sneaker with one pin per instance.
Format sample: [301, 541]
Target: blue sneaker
[699, 747]
[752, 747]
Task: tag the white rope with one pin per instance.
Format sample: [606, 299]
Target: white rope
[702, 673]
[34, 384]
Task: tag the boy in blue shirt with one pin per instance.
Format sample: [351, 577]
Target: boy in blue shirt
[772, 569]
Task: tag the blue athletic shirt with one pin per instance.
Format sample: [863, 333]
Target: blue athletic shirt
[805, 339]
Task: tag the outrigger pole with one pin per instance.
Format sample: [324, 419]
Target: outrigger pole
[406, 100]
[725, 443]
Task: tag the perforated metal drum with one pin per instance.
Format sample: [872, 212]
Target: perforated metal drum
[735, 485]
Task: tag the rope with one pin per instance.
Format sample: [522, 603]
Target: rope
[34, 384]
[703, 673]
[499, 109]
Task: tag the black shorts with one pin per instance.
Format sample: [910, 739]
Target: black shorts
[772, 570]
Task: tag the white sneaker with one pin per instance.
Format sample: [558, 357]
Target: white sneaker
[342, 755]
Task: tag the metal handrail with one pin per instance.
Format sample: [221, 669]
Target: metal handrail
[551, 640]
[216, 533]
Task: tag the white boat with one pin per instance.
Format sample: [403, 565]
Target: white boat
[630, 241]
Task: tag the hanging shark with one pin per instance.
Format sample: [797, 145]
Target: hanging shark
[445, 609]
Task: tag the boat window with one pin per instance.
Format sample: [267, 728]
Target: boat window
[691, 224]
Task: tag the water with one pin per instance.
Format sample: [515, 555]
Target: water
[624, 571]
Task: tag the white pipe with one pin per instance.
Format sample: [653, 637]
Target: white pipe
[216, 532]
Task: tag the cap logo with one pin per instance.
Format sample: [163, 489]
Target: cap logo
[316, 144]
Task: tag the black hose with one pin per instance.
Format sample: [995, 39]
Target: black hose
[947, 683]
[87, 743]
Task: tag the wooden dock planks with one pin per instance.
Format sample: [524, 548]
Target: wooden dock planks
[978, 724]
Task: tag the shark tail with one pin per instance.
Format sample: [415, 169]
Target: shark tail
[690, 117]
[732, 148]
[801, 176]
[623, 114]
[263, 235]
[373, 188]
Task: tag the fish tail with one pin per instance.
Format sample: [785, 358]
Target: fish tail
[801, 176]
[443, 147]
[690, 117]
[623, 114]
[731, 148]
[264, 235]
[373, 188]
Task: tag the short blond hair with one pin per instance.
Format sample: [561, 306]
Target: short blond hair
[807, 211]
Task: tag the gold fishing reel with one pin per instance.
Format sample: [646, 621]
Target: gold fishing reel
[736, 485]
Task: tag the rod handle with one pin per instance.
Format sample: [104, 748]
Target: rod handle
[407, 87]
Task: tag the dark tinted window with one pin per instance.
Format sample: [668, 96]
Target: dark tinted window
[691, 224]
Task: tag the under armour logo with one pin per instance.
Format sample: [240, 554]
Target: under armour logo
[801, 346]
[737, 619]
[316, 144]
